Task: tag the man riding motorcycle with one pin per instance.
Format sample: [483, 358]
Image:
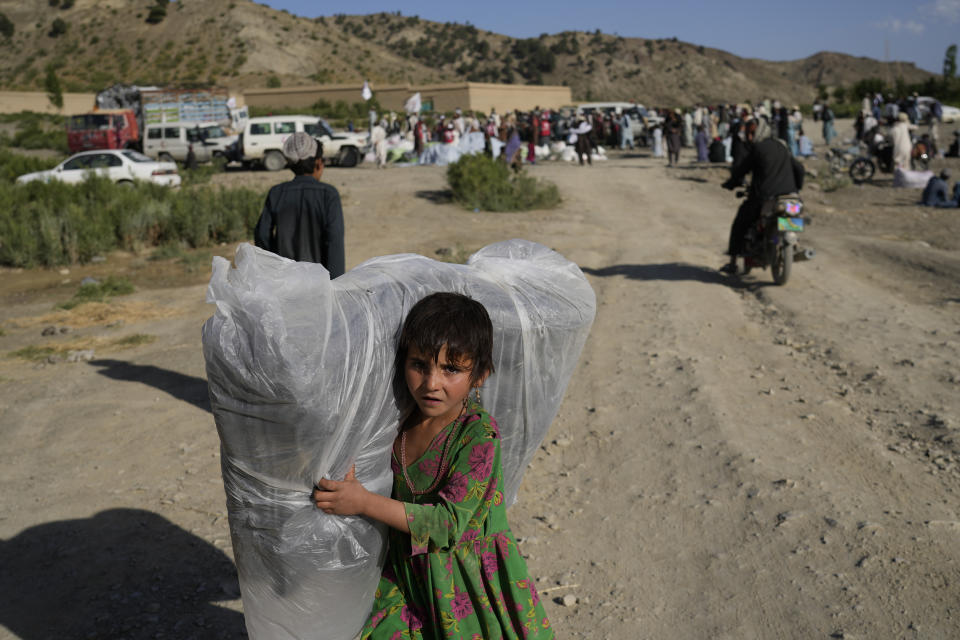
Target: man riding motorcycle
[775, 173]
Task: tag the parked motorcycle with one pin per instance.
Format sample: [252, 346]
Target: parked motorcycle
[773, 241]
[881, 157]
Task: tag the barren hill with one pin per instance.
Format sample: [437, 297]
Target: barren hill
[239, 43]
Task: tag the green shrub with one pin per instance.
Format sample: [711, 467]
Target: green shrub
[479, 182]
[829, 183]
[167, 252]
[32, 352]
[98, 292]
[200, 175]
[7, 27]
[15, 164]
[58, 27]
[34, 137]
[134, 340]
[55, 224]
[157, 13]
[34, 131]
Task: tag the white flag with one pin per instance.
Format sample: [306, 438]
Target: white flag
[413, 104]
[365, 92]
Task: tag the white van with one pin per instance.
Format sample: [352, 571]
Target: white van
[170, 141]
[262, 141]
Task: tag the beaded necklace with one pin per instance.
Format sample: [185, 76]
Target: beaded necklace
[444, 455]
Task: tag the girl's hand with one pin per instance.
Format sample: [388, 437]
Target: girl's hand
[347, 498]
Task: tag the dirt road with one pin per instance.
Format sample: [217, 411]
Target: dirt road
[732, 459]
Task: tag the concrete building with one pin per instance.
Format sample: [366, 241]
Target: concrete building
[469, 96]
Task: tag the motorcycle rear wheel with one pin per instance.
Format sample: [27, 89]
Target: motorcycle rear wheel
[782, 263]
[862, 170]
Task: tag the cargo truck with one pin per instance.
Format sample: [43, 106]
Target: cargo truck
[122, 113]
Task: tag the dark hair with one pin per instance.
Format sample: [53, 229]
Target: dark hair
[453, 320]
[306, 166]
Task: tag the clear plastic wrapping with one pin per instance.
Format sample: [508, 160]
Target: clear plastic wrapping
[301, 379]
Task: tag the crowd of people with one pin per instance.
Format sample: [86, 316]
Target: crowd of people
[711, 130]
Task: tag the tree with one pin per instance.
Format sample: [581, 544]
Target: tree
[157, 12]
[52, 86]
[950, 63]
[6, 27]
[868, 86]
[58, 27]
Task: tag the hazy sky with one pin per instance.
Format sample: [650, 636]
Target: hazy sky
[916, 31]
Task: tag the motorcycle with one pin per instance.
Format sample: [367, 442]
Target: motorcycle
[862, 168]
[773, 241]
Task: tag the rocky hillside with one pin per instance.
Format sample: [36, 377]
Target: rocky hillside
[239, 43]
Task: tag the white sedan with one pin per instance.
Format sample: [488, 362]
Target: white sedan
[122, 166]
[950, 114]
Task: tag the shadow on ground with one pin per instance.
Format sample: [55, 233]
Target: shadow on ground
[436, 196]
[183, 387]
[123, 573]
[671, 271]
[676, 272]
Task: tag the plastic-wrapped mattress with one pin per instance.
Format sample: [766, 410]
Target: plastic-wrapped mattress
[302, 385]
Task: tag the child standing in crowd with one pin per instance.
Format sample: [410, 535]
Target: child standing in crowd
[453, 569]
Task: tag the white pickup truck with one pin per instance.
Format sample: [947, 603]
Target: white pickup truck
[262, 139]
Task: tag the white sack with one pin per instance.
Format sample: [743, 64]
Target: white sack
[301, 373]
[911, 179]
[440, 154]
[496, 146]
[444, 154]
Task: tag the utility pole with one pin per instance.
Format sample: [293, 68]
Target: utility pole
[886, 60]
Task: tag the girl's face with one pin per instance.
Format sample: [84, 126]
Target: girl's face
[439, 388]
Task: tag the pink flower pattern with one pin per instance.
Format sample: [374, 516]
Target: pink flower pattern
[456, 488]
[481, 460]
[461, 605]
[411, 617]
[458, 572]
[428, 467]
[490, 564]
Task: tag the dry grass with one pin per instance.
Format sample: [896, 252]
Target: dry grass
[40, 352]
[94, 314]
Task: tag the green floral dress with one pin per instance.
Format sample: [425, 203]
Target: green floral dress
[458, 573]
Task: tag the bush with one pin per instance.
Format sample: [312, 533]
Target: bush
[58, 27]
[98, 292]
[335, 114]
[55, 224]
[157, 13]
[479, 182]
[830, 183]
[7, 27]
[34, 137]
[14, 164]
